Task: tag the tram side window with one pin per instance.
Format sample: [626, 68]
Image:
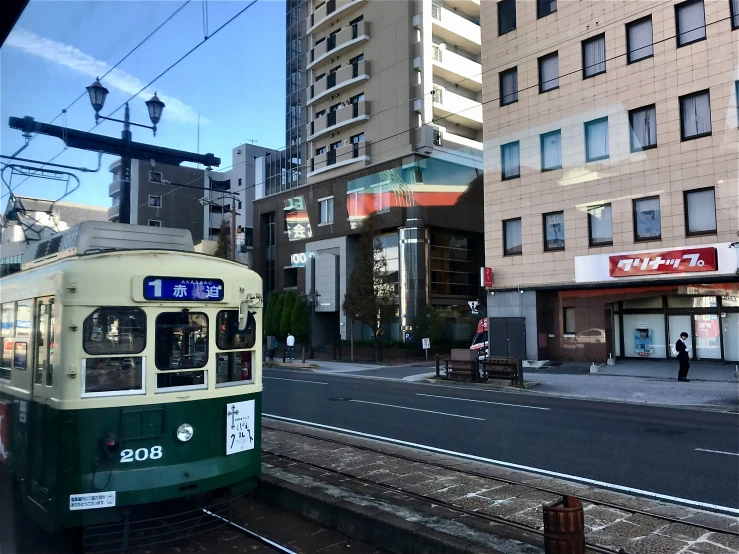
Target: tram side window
[106, 375]
[181, 340]
[7, 332]
[234, 367]
[114, 330]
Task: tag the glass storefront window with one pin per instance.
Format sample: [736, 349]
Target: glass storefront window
[691, 302]
[707, 337]
[642, 303]
[644, 336]
[730, 301]
[730, 324]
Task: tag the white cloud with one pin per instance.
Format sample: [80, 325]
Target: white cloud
[76, 60]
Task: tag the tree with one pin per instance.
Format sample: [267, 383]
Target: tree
[269, 313]
[429, 322]
[287, 313]
[300, 321]
[277, 316]
[368, 290]
[223, 248]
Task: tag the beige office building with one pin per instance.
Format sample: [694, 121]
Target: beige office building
[611, 167]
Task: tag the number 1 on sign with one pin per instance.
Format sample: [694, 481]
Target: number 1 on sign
[157, 284]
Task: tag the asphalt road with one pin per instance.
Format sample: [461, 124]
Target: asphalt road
[687, 454]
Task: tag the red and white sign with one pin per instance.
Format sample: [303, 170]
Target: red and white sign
[684, 260]
[486, 277]
[4, 432]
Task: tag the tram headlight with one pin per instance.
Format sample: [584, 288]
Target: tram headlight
[184, 432]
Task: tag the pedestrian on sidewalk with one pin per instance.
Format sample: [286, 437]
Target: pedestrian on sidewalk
[378, 341]
[683, 357]
[290, 346]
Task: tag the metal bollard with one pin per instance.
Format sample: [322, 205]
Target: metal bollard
[564, 527]
[438, 366]
[303, 353]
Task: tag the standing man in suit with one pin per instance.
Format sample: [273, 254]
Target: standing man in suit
[683, 357]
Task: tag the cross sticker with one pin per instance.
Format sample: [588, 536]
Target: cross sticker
[233, 412]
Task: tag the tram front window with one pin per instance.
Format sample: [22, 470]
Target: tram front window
[181, 340]
[114, 330]
[234, 367]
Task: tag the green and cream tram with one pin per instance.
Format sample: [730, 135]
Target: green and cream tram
[130, 373]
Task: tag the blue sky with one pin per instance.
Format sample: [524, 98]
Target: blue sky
[234, 82]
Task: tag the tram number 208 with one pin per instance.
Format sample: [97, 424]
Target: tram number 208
[141, 454]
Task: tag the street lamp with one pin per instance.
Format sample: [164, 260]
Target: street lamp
[98, 93]
[235, 202]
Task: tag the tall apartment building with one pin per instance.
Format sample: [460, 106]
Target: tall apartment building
[611, 177]
[158, 197]
[392, 105]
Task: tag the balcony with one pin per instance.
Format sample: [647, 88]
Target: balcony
[114, 212]
[343, 117]
[331, 10]
[470, 8]
[344, 77]
[346, 155]
[455, 108]
[455, 29]
[455, 68]
[460, 148]
[114, 188]
[333, 45]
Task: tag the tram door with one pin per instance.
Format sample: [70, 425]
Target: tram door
[44, 429]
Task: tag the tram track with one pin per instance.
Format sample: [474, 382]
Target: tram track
[256, 536]
[471, 473]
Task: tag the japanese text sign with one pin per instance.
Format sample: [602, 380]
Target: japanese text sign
[685, 260]
[297, 222]
[184, 289]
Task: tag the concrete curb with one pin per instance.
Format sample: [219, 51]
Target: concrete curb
[367, 524]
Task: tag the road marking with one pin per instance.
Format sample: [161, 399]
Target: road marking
[715, 507]
[295, 380]
[482, 401]
[416, 409]
[716, 452]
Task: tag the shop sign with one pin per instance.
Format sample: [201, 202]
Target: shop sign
[684, 260]
[486, 277]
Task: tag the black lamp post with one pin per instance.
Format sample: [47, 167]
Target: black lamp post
[98, 93]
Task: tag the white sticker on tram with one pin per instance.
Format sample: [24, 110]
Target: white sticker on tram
[92, 501]
[706, 505]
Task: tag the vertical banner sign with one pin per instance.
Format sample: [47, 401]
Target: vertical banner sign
[239, 426]
[486, 277]
[296, 219]
[4, 432]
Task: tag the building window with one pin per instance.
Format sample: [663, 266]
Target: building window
[321, 150]
[734, 14]
[356, 59]
[568, 319]
[647, 224]
[554, 231]
[155, 223]
[381, 195]
[512, 237]
[155, 201]
[639, 40]
[356, 141]
[600, 225]
[155, 176]
[695, 115]
[509, 86]
[596, 140]
[700, 212]
[510, 160]
[551, 150]
[290, 278]
[335, 145]
[691, 22]
[643, 123]
[357, 99]
[545, 7]
[319, 113]
[548, 72]
[506, 16]
[326, 210]
[594, 56]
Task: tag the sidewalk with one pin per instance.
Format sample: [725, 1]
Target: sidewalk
[700, 370]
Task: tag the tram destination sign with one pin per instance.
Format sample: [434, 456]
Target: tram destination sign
[183, 289]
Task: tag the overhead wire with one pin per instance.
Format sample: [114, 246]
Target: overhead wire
[578, 71]
[155, 79]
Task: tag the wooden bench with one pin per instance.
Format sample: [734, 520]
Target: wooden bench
[462, 366]
[503, 368]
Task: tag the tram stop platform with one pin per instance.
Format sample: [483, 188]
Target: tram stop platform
[411, 501]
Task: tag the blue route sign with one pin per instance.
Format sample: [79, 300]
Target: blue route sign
[183, 289]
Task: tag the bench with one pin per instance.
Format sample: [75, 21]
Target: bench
[503, 368]
[464, 369]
